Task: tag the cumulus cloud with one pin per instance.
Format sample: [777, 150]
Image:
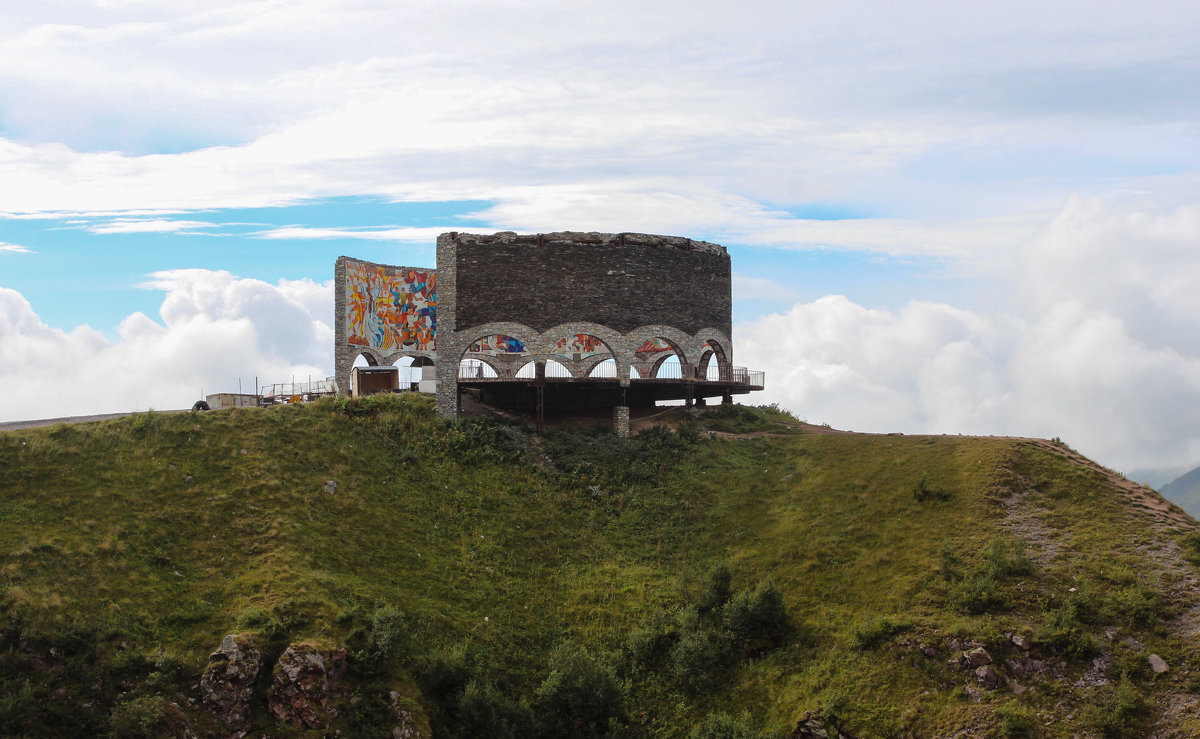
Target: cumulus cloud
[1099, 347]
[213, 329]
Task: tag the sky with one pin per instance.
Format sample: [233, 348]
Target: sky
[943, 217]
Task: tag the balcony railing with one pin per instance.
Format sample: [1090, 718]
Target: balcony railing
[472, 369]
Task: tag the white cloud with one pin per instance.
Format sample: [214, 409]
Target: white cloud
[1099, 348]
[147, 225]
[14, 249]
[214, 329]
[406, 235]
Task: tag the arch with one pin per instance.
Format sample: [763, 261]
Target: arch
[368, 360]
[613, 343]
[606, 368]
[712, 341]
[676, 339]
[477, 368]
[665, 369]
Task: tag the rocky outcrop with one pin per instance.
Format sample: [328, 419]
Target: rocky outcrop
[303, 684]
[228, 682]
[810, 726]
[409, 723]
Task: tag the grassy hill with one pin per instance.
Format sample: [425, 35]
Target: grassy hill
[726, 578]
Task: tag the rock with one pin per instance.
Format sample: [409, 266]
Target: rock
[1021, 643]
[987, 677]
[228, 682]
[811, 726]
[408, 726]
[1111, 632]
[1158, 664]
[303, 683]
[330, 487]
[1016, 667]
[1017, 688]
[955, 645]
[977, 657]
[930, 651]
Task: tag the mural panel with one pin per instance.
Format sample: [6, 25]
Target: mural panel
[497, 345]
[390, 309]
[653, 346]
[580, 346]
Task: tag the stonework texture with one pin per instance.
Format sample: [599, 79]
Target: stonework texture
[624, 289]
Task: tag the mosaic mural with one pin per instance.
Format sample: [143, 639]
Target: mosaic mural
[580, 346]
[654, 346]
[498, 344]
[390, 309]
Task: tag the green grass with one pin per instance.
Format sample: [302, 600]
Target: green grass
[130, 547]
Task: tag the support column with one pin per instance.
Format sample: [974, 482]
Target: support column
[621, 421]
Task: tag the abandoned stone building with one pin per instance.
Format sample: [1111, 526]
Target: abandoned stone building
[556, 322]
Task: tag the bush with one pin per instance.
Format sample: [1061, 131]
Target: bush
[139, 717]
[580, 697]
[757, 620]
[716, 590]
[1015, 723]
[724, 726]
[869, 634]
[697, 658]
[1119, 713]
[445, 676]
[484, 711]
[978, 593]
[1007, 559]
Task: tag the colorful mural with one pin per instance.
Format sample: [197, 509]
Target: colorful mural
[390, 309]
[654, 346]
[583, 345]
[498, 344]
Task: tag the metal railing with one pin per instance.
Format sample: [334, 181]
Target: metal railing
[472, 369]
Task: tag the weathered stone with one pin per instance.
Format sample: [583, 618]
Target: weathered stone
[228, 682]
[1158, 664]
[1021, 643]
[987, 677]
[977, 657]
[303, 683]
[407, 726]
[1016, 667]
[330, 487]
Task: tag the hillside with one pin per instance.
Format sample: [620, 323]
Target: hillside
[386, 573]
[1185, 491]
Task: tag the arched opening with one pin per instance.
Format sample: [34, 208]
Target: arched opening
[417, 370]
[713, 364]
[365, 360]
[606, 368]
[476, 369]
[578, 355]
[668, 368]
[496, 355]
[659, 358]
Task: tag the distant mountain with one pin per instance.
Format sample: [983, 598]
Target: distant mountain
[1184, 491]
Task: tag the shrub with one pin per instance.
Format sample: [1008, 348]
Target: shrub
[724, 726]
[697, 658]
[580, 697]
[1014, 722]
[756, 620]
[716, 590]
[484, 711]
[446, 675]
[869, 634]
[1007, 559]
[648, 644]
[1118, 713]
[978, 593]
[925, 491]
[139, 717]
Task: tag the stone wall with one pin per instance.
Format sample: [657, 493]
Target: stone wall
[623, 289]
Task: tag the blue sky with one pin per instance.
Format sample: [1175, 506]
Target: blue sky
[943, 217]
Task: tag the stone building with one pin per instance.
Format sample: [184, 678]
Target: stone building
[550, 321]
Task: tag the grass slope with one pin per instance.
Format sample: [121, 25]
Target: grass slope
[128, 548]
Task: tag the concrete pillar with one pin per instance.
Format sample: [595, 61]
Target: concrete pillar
[621, 421]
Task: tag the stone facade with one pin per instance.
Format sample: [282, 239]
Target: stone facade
[648, 287]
